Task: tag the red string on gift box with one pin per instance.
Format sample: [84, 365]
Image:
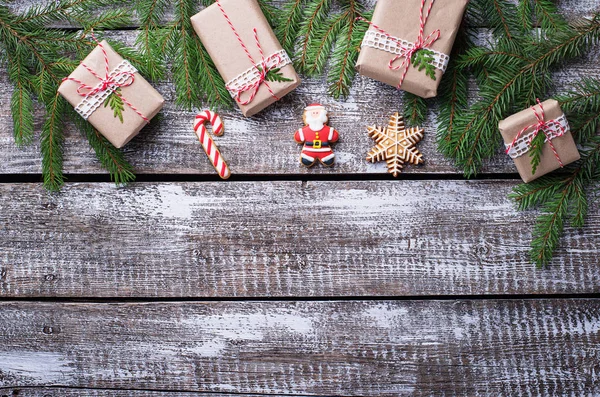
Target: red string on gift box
[541, 126]
[108, 81]
[421, 43]
[262, 68]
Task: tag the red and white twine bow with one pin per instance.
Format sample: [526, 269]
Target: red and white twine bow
[263, 67]
[110, 81]
[541, 126]
[407, 51]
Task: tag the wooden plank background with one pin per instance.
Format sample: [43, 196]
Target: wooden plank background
[463, 348]
[287, 281]
[282, 239]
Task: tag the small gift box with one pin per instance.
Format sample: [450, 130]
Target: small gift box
[401, 29]
[256, 69]
[520, 130]
[107, 91]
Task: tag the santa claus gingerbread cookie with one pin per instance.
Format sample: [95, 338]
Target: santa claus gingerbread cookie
[317, 137]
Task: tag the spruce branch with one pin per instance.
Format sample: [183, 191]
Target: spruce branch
[151, 14]
[115, 102]
[270, 12]
[501, 15]
[535, 151]
[314, 19]
[415, 109]
[453, 90]
[111, 158]
[516, 78]
[36, 62]
[275, 75]
[562, 199]
[194, 74]
[52, 144]
[21, 104]
[423, 60]
[209, 79]
[315, 57]
[346, 49]
[288, 24]
[581, 104]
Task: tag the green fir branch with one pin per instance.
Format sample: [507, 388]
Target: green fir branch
[194, 74]
[21, 104]
[275, 75]
[515, 81]
[346, 49]
[424, 60]
[288, 24]
[182, 48]
[52, 144]
[415, 109]
[270, 12]
[313, 22]
[501, 15]
[582, 106]
[314, 59]
[454, 88]
[35, 57]
[112, 159]
[151, 14]
[562, 199]
[212, 85]
[115, 102]
[535, 151]
[547, 15]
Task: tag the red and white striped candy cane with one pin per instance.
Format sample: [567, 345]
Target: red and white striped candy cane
[209, 145]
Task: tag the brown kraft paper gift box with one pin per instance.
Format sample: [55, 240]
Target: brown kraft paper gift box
[229, 56]
[564, 145]
[140, 94]
[400, 19]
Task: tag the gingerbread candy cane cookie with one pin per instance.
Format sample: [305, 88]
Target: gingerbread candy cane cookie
[207, 142]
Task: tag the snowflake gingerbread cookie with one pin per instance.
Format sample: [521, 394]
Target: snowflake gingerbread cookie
[317, 137]
[395, 144]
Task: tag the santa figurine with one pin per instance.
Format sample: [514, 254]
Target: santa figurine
[317, 137]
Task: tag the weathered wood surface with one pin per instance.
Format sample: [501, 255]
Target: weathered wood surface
[458, 348]
[263, 144]
[83, 392]
[287, 239]
[572, 9]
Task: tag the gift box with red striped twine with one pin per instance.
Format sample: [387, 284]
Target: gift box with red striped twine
[108, 91]
[520, 129]
[400, 29]
[246, 52]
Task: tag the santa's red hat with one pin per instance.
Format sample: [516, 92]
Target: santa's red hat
[314, 106]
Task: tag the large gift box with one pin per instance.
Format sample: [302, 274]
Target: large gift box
[399, 28]
[519, 131]
[246, 52]
[107, 91]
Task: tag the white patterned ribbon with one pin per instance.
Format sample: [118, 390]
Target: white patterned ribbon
[119, 75]
[553, 131]
[251, 76]
[380, 41]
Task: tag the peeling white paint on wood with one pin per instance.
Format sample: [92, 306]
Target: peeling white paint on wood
[360, 238]
[49, 367]
[475, 348]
